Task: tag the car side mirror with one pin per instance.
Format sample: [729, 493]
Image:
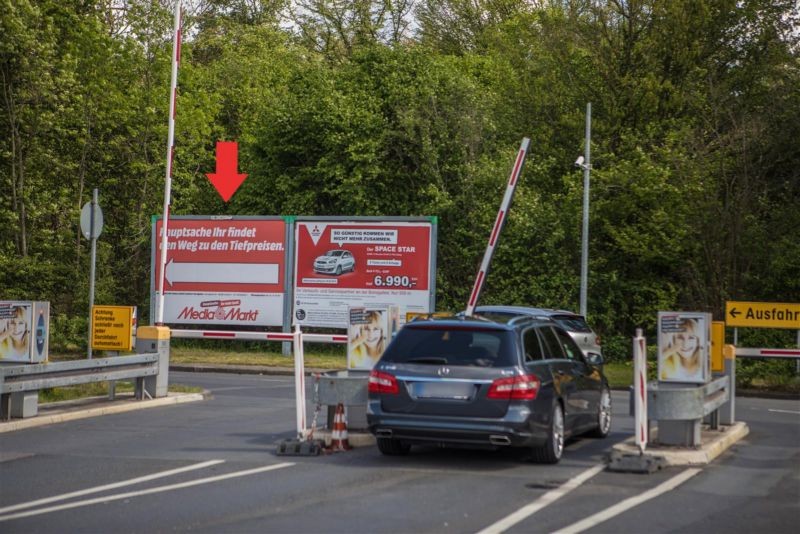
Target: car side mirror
[595, 358]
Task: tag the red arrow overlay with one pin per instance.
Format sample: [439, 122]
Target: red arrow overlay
[227, 180]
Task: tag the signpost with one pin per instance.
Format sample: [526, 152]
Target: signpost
[762, 315]
[91, 227]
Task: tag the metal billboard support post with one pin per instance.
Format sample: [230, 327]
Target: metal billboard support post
[93, 237]
[505, 205]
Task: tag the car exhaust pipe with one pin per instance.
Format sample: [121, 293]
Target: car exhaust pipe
[500, 440]
[383, 433]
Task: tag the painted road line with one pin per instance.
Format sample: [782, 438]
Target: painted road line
[784, 411]
[548, 498]
[149, 491]
[115, 485]
[627, 504]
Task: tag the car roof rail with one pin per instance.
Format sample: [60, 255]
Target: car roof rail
[522, 318]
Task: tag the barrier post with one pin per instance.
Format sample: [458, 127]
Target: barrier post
[299, 383]
[727, 412]
[151, 339]
[640, 390]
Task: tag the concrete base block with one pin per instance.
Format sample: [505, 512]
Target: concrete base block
[24, 404]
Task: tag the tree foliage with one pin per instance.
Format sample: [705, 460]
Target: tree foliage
[378, 107]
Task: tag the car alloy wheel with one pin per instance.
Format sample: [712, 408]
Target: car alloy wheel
[603, 415]
[551, 451]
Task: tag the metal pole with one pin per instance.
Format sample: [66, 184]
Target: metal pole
[176, 57]
[93, 237]
[587, 165]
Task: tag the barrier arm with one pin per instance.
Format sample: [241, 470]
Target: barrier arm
[505, 205]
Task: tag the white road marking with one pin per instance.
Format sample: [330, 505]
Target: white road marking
[114, 485]
[548, 498]
[784, 411]
[627, 504]
[149, 491]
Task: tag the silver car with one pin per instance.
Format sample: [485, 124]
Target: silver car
[335, 262]
[573, 323]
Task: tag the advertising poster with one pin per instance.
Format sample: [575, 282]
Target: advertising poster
[339, 265]
[684, 341]
[24, 331]
[222, 270]
[369, 332]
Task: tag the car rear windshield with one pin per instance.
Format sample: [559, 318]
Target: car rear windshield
[439, 345]
[572, 323]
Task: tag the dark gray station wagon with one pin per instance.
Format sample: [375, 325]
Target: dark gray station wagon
[472, 382]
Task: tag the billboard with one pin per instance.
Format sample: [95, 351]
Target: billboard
[222, 270]
[684, 341]
[24, 331]
[371, 263]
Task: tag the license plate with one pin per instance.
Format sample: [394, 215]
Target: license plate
[442, 390]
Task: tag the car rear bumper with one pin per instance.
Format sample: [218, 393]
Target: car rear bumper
[471, 432]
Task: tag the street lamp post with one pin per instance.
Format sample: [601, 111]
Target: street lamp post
[584, 162]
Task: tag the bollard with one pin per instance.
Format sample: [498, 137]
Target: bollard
[150, 339]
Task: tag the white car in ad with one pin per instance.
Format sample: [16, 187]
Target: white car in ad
[335, 262]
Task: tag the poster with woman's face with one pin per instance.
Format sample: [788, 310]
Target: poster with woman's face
[683, 347]
[368, 335]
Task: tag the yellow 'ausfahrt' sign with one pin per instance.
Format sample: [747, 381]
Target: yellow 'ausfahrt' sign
[762, 315]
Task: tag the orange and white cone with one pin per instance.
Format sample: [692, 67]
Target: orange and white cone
[339, 432]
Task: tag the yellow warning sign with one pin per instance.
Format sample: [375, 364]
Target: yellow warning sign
[762, 314]
[112, 327]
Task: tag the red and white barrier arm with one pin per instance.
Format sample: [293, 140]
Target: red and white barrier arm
[255, 336]
[498, 225]
[767, 353]
[176, 59]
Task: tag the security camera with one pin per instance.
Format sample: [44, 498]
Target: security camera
[579, 161]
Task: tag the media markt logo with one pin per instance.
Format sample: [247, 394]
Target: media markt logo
[219, 311]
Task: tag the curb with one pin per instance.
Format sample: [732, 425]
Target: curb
[715, 442]
[81, 411]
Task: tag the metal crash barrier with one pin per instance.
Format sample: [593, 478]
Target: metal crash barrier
[20, 384]
[680, 409]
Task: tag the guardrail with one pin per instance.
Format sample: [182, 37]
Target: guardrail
[20, 384]
[680, 409]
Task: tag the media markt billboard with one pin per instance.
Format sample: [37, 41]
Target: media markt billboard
[222, 270]
[367, 262]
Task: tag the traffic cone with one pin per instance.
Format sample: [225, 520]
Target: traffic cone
[339, 432]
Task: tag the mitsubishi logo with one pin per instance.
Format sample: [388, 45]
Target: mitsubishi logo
[443, 371]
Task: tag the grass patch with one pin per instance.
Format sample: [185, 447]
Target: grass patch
[99, 389]
[320, 360]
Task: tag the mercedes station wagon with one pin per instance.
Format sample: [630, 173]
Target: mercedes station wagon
[477, 383]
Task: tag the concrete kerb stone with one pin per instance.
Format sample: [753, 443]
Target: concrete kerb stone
[714, 443]
[95, 406]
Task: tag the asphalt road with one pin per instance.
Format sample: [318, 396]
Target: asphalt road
[211, 467]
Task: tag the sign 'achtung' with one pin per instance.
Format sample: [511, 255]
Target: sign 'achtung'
[762, 315]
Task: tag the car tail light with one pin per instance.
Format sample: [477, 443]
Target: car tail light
[597, 339]
[380, 382]
[524, 387]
